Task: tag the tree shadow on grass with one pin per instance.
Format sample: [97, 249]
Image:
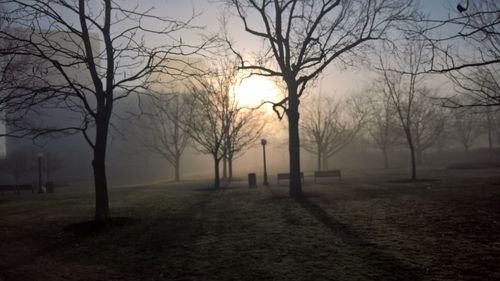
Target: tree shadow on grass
[90, 227]
[379, 263]
[414, 181]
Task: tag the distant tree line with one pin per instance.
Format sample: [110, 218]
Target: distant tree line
[84, 59]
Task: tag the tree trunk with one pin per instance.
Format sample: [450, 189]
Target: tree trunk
[224, 168]
[325, 161]
[490, 138]
[411, 146]
[319, 158]
[100, 181]
[294, 141]
[230, 167]
[386, 159]
[413, 162]
[177, 168]
[419, 153]
[216, 172]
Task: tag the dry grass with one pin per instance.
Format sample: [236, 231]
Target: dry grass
[367, 228]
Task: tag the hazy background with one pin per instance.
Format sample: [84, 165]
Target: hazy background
[128, 162]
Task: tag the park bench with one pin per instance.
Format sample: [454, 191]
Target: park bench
[286, 176]
[327, 174]
[16, 188]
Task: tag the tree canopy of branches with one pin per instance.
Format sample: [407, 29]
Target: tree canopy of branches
[302, 38]
[329, 125]
[52, 162]
[467, 127]
[83, 58]
[428, 121]
[468, 37]
[382, 122]
[402, 87]
[476, 87]
[220, 126]
[466, 47]
[17, 163]
[165, 130]
[245, 128]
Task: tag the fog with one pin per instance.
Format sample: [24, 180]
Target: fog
[131, 163]
[62, 122]
[249, 140]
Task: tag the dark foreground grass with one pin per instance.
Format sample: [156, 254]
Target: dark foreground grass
[358, 230]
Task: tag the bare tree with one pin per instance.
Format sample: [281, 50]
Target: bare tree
[245, 128]
[52, 162]
[214, 105]
[330, 126]
[382, 122]
[164, 128]
[467, 127]
[302, 38]
[402, 87]
[85, 58]
[489, 117]
[17, 164]
[316, 128]
[427, 123]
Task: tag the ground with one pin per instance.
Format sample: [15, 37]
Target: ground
[369, 226]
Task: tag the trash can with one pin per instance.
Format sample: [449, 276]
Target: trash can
[252, 180]
[49, 186]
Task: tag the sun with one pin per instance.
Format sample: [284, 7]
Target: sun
[254, 90]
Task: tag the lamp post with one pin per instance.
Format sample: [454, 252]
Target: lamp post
[264, 142]
[40, 155]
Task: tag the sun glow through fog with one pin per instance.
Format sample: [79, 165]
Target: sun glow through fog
[254, 90]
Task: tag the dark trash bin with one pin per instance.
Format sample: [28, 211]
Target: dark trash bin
[252, 180]
[49, 187]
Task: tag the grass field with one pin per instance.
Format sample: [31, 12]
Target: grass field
[367, 227]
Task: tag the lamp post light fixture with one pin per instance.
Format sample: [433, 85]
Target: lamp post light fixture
[264, 142]
[40, 156]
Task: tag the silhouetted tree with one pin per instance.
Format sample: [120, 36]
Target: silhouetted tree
[165, 129]
[245, 128]
[427, 123]
[214, 106]
[490, 127]
[467, 127]
[52, 162]
[303, 37]
[17, 163]
[84, 58]
[382, 122]
[402, 87]
[330, 126]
